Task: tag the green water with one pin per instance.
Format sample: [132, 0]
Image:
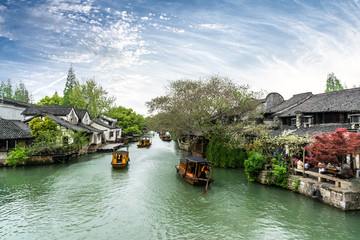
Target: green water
[87, 199]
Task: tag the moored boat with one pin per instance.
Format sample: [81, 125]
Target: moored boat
[144, 142]
[166, 138]
[120, 159]
[196, 170]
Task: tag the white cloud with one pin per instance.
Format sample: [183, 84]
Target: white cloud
[163, 17]
[213, 26]
[133, 55]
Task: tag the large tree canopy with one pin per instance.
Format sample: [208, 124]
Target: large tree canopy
[91, 96]
[39, 127]
[127, 119]
[201, 105]
[54, 100]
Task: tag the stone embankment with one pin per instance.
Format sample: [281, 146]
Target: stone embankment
[346, 197]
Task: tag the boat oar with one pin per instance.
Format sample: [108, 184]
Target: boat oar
[206, 186]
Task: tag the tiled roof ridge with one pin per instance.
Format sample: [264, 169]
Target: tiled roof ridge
[14, 129]
[338, 91]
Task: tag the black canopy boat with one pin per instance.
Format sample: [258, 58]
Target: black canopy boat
[196, 170]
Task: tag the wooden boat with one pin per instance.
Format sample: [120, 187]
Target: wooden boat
[145, 142]
[166, 138]
[196, 170]
[162, 133]
[120, 159]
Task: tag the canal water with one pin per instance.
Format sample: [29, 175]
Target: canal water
[87, 199]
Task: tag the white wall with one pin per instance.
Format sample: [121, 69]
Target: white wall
[106, 131]
[11, 112]
[86, 119]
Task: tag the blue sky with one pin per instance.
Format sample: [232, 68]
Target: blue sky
[133, 48]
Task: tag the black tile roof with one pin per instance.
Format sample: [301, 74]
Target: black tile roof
[293, 101]
[338, 101]
[16, 103]
[64, 123]
[52, 109]
[310, 131]
[80, 112]
[90, 128]
[101, 123]
[14, 129]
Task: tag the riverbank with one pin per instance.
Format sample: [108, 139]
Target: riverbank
[345, 198]
[64, 156]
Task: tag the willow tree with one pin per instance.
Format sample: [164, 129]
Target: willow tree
[208, 105]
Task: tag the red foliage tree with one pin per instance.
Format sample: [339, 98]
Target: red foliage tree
[334, 147]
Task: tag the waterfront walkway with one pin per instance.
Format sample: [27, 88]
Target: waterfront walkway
[111, 147]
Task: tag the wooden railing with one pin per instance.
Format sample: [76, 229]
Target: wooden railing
[341, 183]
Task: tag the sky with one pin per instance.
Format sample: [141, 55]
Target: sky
[134, 48]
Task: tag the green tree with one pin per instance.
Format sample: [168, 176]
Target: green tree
[46, 135]
[54, 100]
[205, 105]
[2, 88]
[222, 154]
[253, 165]
[7, 89]
[69, 86]
[21, 93]
[333, 83]
[17, 156]
[80, 139]
[127, 119]
[91, 96]
[39, 127]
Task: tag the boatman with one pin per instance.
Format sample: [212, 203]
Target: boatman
[204, 171]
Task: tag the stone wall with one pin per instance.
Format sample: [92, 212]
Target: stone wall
[345, 199]
[3, 158]
[35, 160]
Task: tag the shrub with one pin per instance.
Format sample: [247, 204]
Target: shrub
[295, 185]
[278, 176]
[17, 156]
[223, 154]
[253, 165]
